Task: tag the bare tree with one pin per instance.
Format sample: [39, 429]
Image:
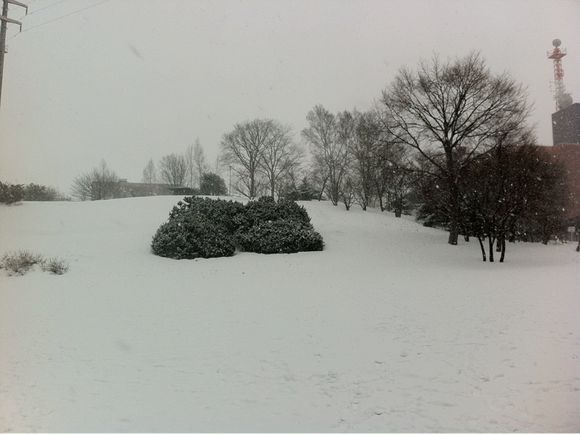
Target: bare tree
[364, 155]
[400, 180]
[196, 164]
[191, 178]
[243, 150]
[173, 169]
[450, 113]
[82, 187]
[279, 156]
[149, 173]
[319, 176]
[98, 184]
[329, 138]
[199, 162]
[349, 188]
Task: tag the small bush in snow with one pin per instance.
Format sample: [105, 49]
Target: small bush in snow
[281, 236]
[189, 238]
[54, 266]
[19, 263]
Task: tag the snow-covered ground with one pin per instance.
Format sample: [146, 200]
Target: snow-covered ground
[387, 329]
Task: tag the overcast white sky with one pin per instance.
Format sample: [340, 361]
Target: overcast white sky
[129, 80]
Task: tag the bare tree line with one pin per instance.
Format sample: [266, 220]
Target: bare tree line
[261, 153]
[175, 170]
[178, 170]
[418, 146]
[422, 145]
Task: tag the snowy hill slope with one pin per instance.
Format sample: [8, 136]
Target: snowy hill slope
[388, 329]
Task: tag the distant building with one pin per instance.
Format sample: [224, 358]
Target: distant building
[140, 189]
[566, 125]
[569, 155]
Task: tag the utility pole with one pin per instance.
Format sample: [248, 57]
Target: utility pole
[4, 21]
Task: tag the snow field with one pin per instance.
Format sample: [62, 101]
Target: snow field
[387, 329]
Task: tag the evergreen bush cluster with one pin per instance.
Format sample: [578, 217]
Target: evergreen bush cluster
[280, 236]
[207, 228]
[192, 238]
[11, 193]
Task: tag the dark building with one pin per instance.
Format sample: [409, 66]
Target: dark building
[566, 125]
[137, 189]
[569, 156]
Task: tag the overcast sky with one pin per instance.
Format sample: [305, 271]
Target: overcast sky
[130, 80]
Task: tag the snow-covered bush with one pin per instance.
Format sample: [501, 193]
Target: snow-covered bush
[54, 266]
[21, 262]
[207, 228]
[290, 210]
[267, 209]
[220, 212]
[280, 236]
[192, 237]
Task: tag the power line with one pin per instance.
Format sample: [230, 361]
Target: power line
[47, 7]
[65, 16]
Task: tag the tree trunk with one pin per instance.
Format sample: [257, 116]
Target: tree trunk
[502, 249]
[491, 240]
[399, 206]
[273, 188]
[322, 189]
[482, 248]
[454, 217]
[381, 205]
[252, 187]
[453, 234]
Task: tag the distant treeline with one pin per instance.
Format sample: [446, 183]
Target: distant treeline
[11, 193]
[448, 141]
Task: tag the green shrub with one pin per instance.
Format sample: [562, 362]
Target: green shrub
[212, 184]
[266, 209]
[193, 237]
[305, 191]
[220, 212]
[11, 193]
[256, 211]
[207, 228]
[35, 192]
[290, 210]
[280, 236]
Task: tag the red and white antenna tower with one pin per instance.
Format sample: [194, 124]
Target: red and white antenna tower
[562, 98]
